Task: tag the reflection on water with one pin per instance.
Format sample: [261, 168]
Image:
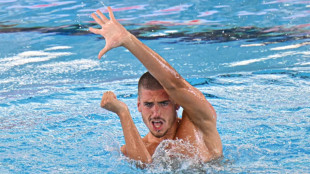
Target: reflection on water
[262, 119]
[250, 59]
[157, 31]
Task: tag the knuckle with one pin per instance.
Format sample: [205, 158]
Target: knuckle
[102, 104]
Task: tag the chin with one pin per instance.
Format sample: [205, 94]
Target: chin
[158, 134]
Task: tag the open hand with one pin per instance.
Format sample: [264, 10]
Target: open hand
[113, 32]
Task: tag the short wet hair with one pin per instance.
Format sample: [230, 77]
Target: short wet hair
[147, 81]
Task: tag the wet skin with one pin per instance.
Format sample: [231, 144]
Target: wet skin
[158, 112]
[158, 108]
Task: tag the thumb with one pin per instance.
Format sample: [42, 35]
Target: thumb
[94, 30]
[102, 52]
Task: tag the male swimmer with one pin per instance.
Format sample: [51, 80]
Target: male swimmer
[161, 91]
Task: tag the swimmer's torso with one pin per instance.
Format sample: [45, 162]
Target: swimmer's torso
[205, 149]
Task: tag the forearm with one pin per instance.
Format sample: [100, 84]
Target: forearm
[156, 65]
[135, 147]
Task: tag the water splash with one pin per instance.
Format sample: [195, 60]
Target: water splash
[168, 158]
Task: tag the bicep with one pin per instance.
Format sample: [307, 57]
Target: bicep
[194, 103]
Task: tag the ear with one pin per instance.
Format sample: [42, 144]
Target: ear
[139, 105]
[177, 107]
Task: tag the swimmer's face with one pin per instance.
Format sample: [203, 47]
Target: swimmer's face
[158, 111]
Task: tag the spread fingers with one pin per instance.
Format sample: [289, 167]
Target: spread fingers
[104, 19]
[111, 13]
[99, 21]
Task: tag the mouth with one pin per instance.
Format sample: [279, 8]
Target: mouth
[157, 125]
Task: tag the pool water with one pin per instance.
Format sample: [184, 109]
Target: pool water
[251, 59]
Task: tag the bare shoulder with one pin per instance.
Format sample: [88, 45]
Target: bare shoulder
[209, 145]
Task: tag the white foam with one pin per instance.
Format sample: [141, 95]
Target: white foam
[70, 66]
[253, 45]
[57, 48]
[171, 31]
[303, 64]
[291, 46]
[158, 34]
[32, 53]
[169, 156]
[275, 56]
[29, 57]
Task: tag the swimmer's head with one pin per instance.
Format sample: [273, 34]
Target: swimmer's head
[159, 112]
[147, 81]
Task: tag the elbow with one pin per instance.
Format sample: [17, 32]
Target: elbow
[149, 160]
[145, 159]
[143, 164]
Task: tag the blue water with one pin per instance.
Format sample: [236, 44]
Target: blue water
[249, 58]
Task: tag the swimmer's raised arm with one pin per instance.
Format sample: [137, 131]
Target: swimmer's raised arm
[135, 147]
[181, 91]
[194, 103]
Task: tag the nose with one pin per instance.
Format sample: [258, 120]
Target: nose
[156, 110]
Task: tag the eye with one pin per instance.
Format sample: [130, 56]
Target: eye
[148, 104]
[164, 103]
